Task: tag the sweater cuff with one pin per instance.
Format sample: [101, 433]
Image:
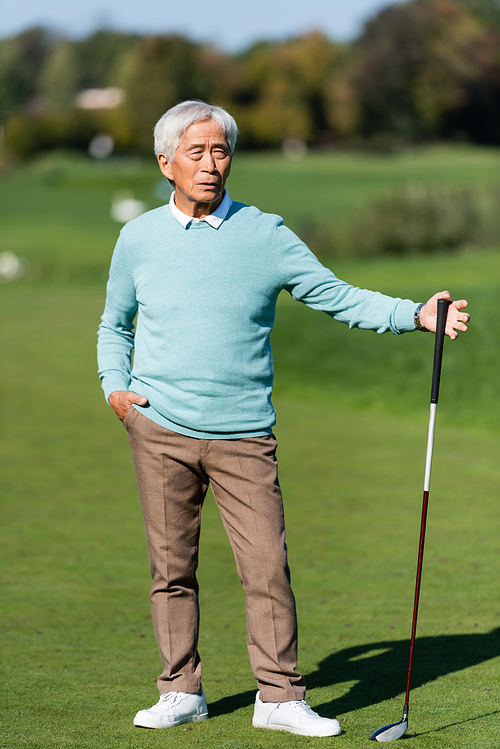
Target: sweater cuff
[113, 382]
[404, 316]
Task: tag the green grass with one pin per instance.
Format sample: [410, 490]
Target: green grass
[392, 374]
[335, 187]
[78, 652]
[55, 213]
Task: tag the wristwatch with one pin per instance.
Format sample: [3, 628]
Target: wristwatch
[416, 319]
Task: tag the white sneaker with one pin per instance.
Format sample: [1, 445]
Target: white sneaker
[173, 709]
[294, 717]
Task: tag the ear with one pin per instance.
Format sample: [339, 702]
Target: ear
[165, 166]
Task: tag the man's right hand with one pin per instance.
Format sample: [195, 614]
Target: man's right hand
[121, 402]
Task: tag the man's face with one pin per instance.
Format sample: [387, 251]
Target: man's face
[200, 168]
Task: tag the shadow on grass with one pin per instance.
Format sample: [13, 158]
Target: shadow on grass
[458, 723]
[230, 704]
[380, 670]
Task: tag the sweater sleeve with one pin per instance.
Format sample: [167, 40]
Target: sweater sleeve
[115, 338]
[308, 281]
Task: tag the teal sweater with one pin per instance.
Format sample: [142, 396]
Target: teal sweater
[206, 301]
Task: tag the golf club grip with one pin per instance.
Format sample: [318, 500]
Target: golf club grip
[442, 314]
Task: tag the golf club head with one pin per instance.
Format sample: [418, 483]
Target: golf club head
[390, 732]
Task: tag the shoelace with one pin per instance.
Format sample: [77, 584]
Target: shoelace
[302, 705]
[170, 698]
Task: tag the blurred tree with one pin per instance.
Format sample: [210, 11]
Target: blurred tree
[422, 69]
[21, 59]
[411, 65]
[158, 73]
[219, 76]
[487, 11]
[284, 90]
[477, 117]
[26, 135]
[342, 106]
[59, 77]
[100, 57]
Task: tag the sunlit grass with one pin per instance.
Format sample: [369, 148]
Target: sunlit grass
[70, 233]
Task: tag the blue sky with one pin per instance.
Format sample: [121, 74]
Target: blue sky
[230, 25]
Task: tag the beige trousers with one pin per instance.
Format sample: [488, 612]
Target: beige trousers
[173, 474]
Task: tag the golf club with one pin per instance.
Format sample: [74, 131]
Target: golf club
[395, 730]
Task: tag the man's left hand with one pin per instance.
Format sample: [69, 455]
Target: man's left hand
[456, 321]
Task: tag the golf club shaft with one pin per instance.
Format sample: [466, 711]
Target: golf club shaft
[442, 313]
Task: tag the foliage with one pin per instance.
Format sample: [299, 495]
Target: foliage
[488, 11]
[285, 91]
[101, 56]
[419, 219]
[21, 60]
[73, 129]
[59, 79]
[410, 66]
[421, 70]
[159, 72]
[478, 114]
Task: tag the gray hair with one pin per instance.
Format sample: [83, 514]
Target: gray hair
[170, 128]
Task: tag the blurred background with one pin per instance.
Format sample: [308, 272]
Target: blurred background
[408, 73]
[368, 77]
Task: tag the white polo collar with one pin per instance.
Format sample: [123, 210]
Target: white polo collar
[215, 219]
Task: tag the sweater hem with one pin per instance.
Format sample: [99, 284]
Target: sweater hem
[151, 413]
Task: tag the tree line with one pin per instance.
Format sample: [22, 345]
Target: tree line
[420, 71]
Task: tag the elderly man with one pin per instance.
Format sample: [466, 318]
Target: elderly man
[203, 274]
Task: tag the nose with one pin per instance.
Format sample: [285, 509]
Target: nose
[208, 163]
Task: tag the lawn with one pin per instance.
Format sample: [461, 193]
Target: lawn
[78, 651]
[55, 213]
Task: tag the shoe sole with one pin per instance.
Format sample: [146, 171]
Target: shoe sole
[145, 723]
[298, 732]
